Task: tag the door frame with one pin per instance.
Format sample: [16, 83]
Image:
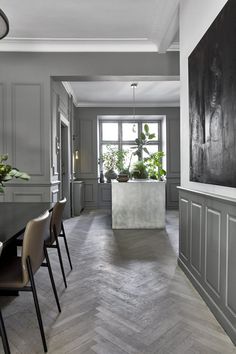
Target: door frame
[65, 157]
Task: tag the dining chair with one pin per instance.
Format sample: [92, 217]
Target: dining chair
[17, 272]
[2, 326]
[57, 230]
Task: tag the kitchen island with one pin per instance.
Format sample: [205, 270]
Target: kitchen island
[138, 204]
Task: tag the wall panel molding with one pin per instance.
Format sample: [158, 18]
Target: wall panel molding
[213, 224]
[89, 193]
[87, 149]
[173, 148]
[2, 120]
[196, 237]
[28, 127]
[184, 235]
[27, 197]
[104, 195]
[230, 300]
[212, 247]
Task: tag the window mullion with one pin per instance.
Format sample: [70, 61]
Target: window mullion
[139, 132]
[119, 134]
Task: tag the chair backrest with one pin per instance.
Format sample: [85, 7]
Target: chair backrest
[56, 218]
[33, 243]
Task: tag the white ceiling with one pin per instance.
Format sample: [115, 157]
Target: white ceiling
[120, 93]
[91, 25]
[99, 25]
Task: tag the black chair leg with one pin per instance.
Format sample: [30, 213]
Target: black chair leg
[4, 336]
[51, 278]
[66, 245]
[31, 277]
[60, 260]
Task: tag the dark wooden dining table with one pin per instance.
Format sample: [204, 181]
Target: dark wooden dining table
[14, 217]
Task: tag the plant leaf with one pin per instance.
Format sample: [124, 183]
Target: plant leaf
[24, 176]
[142, 136]
[6, 178]
[146, 150]
[151, 136]
[146, 128]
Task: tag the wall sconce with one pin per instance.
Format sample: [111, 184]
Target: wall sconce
[57, 144]
[77, 154]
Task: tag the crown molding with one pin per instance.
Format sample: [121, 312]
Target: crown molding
[70, 91]
[125, 105]
[77, 45]
[174, 47]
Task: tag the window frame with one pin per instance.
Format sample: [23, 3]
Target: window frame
[121, 142]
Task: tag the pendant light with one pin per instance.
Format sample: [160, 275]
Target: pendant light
[134, 86]
[4, 25]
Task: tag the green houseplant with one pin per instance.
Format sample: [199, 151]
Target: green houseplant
[151, 166]
[120, 161]
[113, 161]
[154, 165]
[109, 161]
[142, 141]
[7, 172]
[139, 170]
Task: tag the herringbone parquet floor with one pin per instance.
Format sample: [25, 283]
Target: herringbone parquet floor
[126, 294]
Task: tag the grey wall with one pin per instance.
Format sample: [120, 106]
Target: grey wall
[192, 28]
[86, 168]
[28, 101]
[207, 212]
[62, 109]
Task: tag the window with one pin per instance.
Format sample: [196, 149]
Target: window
[121, 134]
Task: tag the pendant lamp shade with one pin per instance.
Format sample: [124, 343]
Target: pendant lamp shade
[4, 25]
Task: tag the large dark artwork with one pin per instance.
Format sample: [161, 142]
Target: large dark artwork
[212, 100]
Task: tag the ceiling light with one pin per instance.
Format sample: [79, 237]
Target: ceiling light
[4, 25]
[134, 86]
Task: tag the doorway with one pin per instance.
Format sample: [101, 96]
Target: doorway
[64, 162]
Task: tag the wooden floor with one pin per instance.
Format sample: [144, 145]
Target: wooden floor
[126, 294]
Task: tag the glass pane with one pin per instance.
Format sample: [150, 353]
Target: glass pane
[110, 131]
[153, 129]
[151, 149]
[107, 163]
[129, 131]
[106, 147]
[127, 159]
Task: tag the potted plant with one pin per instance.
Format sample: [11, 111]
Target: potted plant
[142, 141]
[124, 173]
[109, 160]
[7, 172]
[139, 170]
[154, 166]
[150, 166]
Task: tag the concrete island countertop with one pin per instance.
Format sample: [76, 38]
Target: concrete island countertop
[138, 204]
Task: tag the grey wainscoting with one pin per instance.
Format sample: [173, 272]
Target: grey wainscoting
[207, 251]
[104, 195]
